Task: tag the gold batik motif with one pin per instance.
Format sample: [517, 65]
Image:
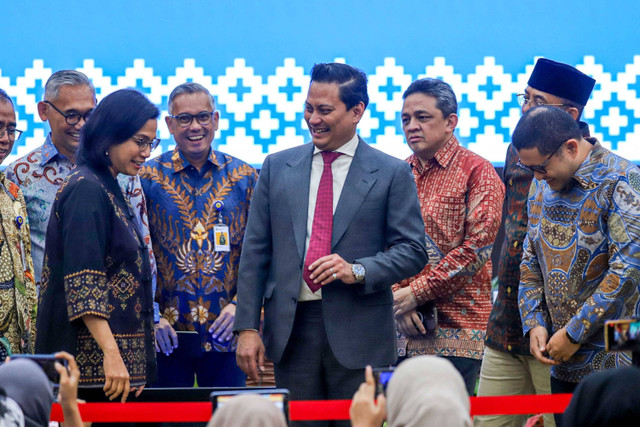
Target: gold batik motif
[90, 358]
[86, 294]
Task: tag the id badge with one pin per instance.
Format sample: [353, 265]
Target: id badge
[221, 234]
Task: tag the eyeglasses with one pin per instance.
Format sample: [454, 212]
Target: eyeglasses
[143, 143]
[13, 133]
[523, 99]
[72, 118]
[185, 119]
[541, 168]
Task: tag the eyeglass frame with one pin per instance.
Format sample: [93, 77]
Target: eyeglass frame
[193, 116]
[541, 168]
[84, 116]
[522, 101]
[143, 144]
[9, 133]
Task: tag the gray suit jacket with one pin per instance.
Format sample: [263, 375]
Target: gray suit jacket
[377, 223]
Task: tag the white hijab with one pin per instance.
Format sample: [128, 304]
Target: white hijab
[427, 391]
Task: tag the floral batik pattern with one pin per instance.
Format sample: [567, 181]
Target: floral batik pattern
[581, 260]
[196, 282]
[17, 285]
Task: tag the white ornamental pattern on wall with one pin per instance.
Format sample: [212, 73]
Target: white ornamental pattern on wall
[264, 114]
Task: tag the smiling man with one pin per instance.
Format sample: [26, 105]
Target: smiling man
[198, 204]
[580, 263]
[333, 224]
[461, 200]
[69, 99]
[508, 367]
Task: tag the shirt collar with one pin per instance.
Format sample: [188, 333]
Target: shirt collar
[49, 151]
[180, 162]
[585, 171]
[442, 157]
[348, 149]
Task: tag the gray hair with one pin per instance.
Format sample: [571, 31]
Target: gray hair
[65, 78]
[4, 96]
[189, 87]
[436, 88]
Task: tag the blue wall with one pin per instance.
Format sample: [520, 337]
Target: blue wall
[255, 56]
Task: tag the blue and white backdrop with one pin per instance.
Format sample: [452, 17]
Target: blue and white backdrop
[255, 57]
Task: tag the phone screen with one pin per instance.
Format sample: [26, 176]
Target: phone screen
[382, 377]
[622, 335]
[279, 397]
[46, 362]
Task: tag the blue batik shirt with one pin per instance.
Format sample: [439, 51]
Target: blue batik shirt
[194, 281]
[581, 260]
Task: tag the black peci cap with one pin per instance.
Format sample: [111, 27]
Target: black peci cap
[561, 80]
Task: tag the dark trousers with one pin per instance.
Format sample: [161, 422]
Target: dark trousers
[211, 369]
[308, 367]
[559, 387]
[469, 369]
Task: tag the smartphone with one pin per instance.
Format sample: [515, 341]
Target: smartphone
[428, 314]
[622, 335]
[278, 396]
[382, 377]
[46, 362]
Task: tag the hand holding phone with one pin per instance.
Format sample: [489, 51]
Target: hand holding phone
[47, 363]
[382, 376]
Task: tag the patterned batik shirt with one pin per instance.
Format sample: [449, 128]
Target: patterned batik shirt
[40, 174]
[581, 260]
[96, 263]
[17, 286]
[461, 201]
[504, 330]
[194, 281]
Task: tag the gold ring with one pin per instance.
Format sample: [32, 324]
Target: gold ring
[331, 269]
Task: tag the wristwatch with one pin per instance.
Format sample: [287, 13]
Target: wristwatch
[358, 272]
[571, 340]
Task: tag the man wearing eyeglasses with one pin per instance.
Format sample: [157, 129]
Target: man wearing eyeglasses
[17, 286]
[508, 367]
[69, 100]
[580, 261]
[198, 202]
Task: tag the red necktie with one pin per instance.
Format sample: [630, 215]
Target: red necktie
[320, 242]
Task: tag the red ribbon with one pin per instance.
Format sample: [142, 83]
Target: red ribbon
[299, 410]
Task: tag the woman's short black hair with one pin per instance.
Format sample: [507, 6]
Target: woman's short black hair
[116, 119]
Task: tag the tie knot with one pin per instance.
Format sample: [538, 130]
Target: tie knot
[329, 156]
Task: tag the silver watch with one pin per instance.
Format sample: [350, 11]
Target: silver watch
[358, 272]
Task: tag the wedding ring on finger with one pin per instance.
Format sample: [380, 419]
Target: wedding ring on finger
[335, 276]
[331, 270]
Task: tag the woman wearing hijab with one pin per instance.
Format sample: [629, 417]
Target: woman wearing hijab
[606, 398]
[26, 393]
[248, 410]
[423, 391]
[95, 299]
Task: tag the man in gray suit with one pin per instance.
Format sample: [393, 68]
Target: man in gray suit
[348, 217]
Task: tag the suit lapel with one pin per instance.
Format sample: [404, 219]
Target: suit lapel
[359, 181]
[296, 177]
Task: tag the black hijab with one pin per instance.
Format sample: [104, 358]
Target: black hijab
[607, 398]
